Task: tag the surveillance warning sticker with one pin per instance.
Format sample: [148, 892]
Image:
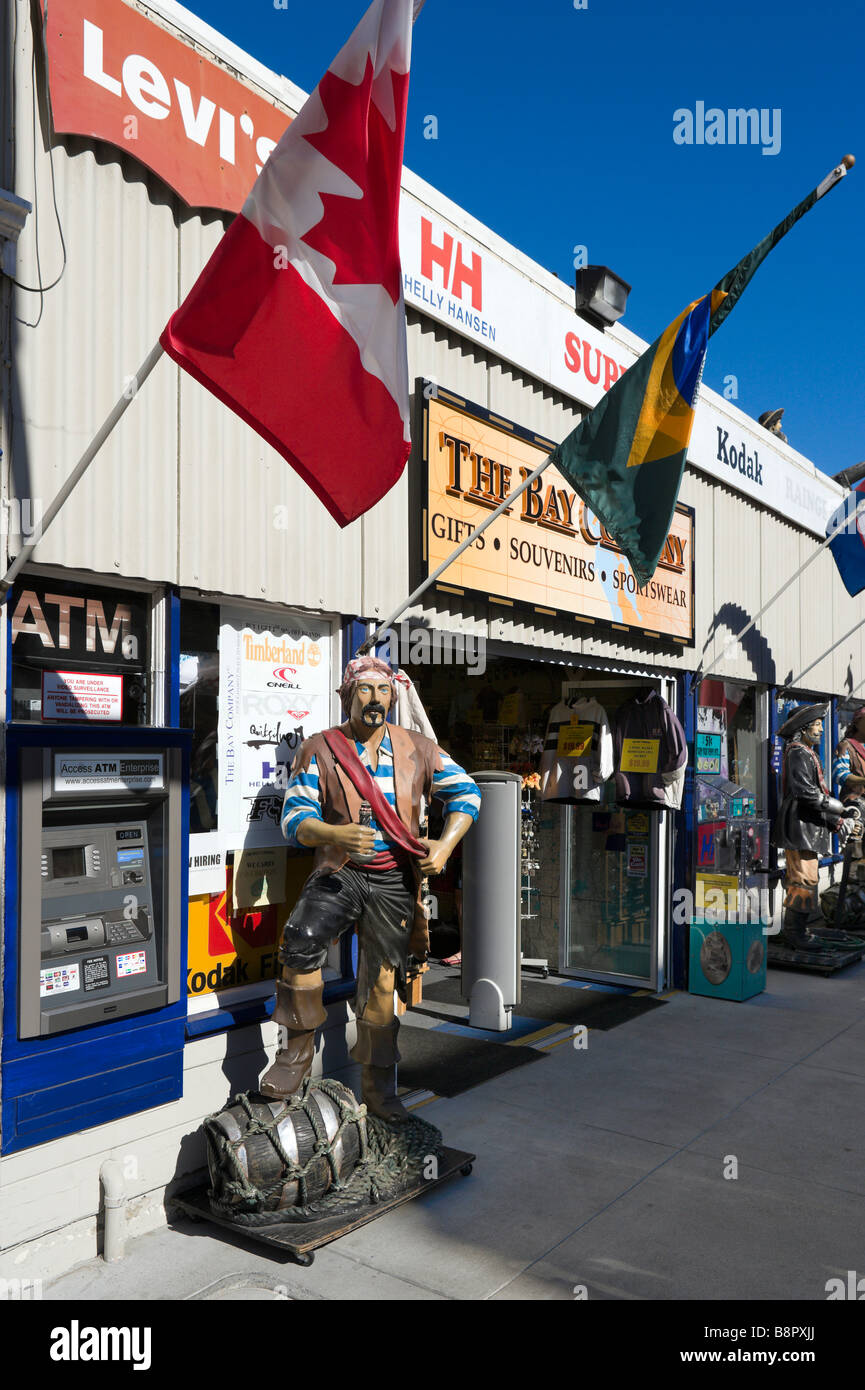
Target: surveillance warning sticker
[131, 963]
[58, 979]
[95, 972]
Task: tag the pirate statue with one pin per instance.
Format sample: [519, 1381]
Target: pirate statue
[354, 796]
[848, 774]
[806, 816]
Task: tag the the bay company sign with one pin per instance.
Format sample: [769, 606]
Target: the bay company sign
[548, 550]
[117, 75]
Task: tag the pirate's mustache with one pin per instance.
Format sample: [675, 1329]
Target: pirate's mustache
[370, 712]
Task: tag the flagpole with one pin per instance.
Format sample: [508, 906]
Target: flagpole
[412, 598]
[130, 391]
[797, 680]
[735, 281]
[695, 675]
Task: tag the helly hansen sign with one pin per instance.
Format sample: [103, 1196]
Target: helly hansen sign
[122, 78]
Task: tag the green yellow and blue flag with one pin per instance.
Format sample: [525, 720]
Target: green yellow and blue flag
[627, 456]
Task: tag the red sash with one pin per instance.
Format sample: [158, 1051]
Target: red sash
[860, 748]
[363, 783]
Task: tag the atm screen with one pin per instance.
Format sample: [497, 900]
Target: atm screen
[67, 861]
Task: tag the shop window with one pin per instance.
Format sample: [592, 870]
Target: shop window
[80, 653]
[731, 740]
[253, 685]
[199, 710]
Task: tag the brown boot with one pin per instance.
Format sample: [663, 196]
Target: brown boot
[376, 1049]
[300, 1012]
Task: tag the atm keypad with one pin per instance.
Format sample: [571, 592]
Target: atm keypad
[118, 933]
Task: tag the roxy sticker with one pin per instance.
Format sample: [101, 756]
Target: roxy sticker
[58, 979]
[131, 963]
[640, 754]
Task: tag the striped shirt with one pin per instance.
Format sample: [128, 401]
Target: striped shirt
[452, 785]
[841, 769]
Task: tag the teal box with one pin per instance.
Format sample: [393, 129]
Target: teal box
[727, 960]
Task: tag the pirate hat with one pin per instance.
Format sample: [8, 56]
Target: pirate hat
[770, 418]
[801, 718]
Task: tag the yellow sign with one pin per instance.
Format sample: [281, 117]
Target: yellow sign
[574, 740]
[717, 894]
[548, 550]
[638, 822]
[640, 754]
[239, 948]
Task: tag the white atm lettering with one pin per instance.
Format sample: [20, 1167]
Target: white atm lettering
[29, 620]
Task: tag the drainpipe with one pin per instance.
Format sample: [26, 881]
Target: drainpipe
[111, 1178]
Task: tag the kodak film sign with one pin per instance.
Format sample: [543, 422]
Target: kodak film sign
[548, 550]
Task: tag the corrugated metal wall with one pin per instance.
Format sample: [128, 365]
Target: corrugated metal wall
[185, 493]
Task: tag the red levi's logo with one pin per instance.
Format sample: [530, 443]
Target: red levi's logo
[117, 76]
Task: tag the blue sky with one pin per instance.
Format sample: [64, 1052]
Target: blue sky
[555, 128]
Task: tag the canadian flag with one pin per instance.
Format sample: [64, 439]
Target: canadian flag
[297, 321]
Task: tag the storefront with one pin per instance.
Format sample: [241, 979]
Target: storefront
[193, 605]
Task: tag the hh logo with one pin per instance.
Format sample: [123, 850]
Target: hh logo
[455, 273]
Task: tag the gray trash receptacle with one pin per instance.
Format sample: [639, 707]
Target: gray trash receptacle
[491, 903]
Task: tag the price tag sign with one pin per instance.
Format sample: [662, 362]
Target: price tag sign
[708, 750]
[575, 740]
[640, 754]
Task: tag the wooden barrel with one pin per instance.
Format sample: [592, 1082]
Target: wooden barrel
[247, 1171]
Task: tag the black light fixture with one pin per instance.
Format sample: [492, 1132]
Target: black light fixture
[849, 477]
[601, 295]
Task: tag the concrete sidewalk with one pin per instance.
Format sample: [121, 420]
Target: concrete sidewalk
[607, 1169]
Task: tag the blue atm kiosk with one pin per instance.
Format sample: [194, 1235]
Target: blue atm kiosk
[95, 916]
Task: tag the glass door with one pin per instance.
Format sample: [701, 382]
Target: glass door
[615, 877]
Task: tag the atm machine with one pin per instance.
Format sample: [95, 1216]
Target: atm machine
[95, 924]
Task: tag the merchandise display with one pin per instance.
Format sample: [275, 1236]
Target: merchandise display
[650, 752]
[578, 752]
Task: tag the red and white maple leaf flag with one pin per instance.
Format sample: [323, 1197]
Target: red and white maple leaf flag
[297, 321]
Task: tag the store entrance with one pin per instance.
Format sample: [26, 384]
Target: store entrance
[596, 875]
[614, 877]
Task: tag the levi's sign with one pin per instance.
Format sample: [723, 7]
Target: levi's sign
[547, 550]
[118, 76]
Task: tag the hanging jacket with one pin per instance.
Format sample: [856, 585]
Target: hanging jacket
[647, 717]
[577, 775]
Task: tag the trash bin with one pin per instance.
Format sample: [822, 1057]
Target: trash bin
[491, 903]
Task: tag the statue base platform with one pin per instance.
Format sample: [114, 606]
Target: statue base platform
[824, 962]
[300, 1239]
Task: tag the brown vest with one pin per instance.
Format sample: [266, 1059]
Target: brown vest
[415, 759]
